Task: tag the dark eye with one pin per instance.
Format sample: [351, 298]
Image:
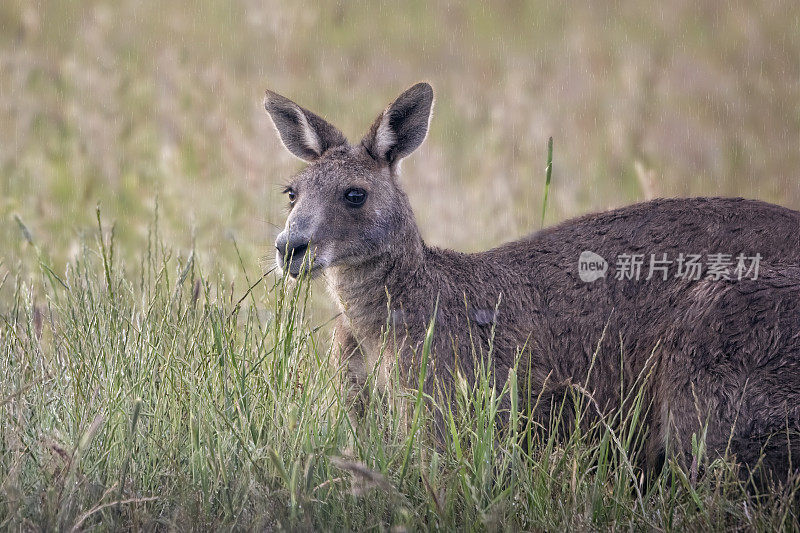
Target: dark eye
[291, 194]
[355, 197]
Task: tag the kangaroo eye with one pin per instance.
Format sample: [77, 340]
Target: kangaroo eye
[355, 197]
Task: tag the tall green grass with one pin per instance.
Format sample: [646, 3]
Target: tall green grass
[153, 395]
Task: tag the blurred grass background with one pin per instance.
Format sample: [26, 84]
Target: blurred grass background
[124, 102]
[129, 104]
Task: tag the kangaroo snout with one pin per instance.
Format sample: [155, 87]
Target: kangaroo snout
[291, 252]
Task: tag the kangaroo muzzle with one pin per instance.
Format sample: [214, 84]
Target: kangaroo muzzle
[293, 253]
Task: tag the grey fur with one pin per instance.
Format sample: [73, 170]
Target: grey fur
[722, 352]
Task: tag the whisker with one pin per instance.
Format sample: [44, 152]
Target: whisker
[265, 221]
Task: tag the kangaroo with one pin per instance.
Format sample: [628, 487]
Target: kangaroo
[719, 348]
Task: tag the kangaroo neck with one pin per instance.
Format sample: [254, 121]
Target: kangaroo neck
[368, 292]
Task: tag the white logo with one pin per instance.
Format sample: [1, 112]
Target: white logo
[591, 266]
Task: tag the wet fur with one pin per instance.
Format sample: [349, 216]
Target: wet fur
[722, 353]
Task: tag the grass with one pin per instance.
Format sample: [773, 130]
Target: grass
[151, 395]
[548, 176]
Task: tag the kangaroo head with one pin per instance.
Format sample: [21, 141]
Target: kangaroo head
[346, 206]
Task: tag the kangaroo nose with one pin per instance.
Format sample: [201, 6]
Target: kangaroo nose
[294, 247]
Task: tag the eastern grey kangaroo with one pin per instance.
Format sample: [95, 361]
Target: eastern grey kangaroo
[721, 345]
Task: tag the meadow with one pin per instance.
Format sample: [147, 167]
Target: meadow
[158, 374]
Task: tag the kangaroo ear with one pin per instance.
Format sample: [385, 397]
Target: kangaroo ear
[303, 133]
[402, 127]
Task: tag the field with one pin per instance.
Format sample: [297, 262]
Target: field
[145, 386]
